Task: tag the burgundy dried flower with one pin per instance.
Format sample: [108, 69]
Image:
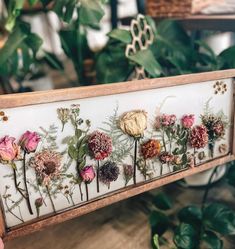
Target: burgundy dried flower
[47, 165]
[109, 172]
[166, 157]
[198, 137]
[150, 148]
[100, 145]
[218, 128]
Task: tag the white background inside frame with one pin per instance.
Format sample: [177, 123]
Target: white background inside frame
[179, 100]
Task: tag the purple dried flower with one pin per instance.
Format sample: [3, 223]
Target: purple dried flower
[109, 172]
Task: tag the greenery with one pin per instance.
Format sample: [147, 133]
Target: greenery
[193, 226]
[173, 51]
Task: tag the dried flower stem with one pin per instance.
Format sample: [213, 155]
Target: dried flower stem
[87, 193]
[52, 203]
[80, 190]
[194, 156]
[161, 169]
[97, 176]
[211, 149]
[163, 140]
[135, 159]
[9, 210]
[26, 186]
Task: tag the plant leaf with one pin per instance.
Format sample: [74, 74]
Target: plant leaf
[121, 34]
[191, 215]
[146, 59]
[185, 237]
[159, 223]
[212, 241]
[162, 201]
[219, 218]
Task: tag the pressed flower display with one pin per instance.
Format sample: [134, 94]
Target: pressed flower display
[79, 151]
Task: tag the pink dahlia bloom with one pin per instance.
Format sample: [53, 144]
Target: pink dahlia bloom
[87, 174]
[100, 145]
[165, 120]
[47, 165]
[9, 150]
[188, 121]
[198, 137]
[29, 141]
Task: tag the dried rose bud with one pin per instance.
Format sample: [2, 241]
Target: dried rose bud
[87, 174]
[150, 148]
[38, 202]
[134, 123]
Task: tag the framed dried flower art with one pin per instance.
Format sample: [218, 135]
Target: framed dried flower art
[64, 153]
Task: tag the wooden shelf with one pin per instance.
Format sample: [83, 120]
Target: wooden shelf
[209, 22]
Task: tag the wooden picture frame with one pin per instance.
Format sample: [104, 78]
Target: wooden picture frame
[54, 96]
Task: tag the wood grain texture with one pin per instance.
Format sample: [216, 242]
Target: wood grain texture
[24, 99]
[112, 198]
[2, 221]
[233, 124]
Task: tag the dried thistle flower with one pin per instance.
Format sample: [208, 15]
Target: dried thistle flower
[109, 172]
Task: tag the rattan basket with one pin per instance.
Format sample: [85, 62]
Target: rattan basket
[173, 8]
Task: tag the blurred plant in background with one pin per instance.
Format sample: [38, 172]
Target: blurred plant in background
[174, 50]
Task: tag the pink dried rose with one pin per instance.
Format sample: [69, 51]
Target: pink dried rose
[47, 165]
[188, 121]
[198, 137]
[165, 120]
[100, 145]
[29, 141]
[87, 174]
[9, 150]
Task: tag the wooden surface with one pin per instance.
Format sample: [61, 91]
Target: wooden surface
[15, 100]
[112, 198]
[121, 225]
[209, 22]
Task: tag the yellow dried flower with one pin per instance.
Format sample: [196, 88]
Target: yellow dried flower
[134, 123]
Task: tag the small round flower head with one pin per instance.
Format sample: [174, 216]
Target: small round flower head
[166, 157]
[198, 137]
[165, 120]
[100, 145]
[188, 121]
[39, 202]
[128, 170]
[218, 128]
[109, 172]
[47, 165]
[150, 148]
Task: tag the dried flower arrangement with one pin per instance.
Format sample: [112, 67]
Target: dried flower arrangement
[169, 145]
